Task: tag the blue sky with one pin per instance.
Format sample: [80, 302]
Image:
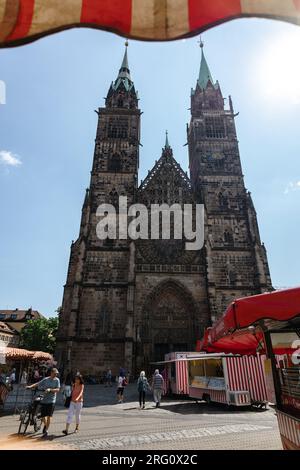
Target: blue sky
[48, 125]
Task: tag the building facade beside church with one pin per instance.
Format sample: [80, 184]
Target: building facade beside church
[127, 303]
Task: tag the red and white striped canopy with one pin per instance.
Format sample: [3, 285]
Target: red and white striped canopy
[23, 21]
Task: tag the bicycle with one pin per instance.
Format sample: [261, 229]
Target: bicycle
[31, 415]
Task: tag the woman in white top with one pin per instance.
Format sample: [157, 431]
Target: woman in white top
[122, 382]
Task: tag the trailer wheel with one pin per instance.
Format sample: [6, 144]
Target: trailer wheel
[206, 397]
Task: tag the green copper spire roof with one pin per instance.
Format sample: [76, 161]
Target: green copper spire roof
[124, 71]
[167, 145]
[124, 74]
[204, 74]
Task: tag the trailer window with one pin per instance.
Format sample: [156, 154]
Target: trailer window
[214, 368]
[206, 373]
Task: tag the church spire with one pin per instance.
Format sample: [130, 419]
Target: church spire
[204, 74]
[122, 93]
[167, 145]
[124, 71]
[167, 149]
[207, 93]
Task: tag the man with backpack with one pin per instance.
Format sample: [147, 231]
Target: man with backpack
[122, 382]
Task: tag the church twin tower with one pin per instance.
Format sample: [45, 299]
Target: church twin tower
[127, 303]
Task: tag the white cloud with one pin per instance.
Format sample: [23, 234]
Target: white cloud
[292, 186]
[9, 158]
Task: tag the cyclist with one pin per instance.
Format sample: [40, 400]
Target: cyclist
[51, 386]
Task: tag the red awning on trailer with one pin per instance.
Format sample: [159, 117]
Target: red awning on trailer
[239, 342]
[231, 334]
[281, 305]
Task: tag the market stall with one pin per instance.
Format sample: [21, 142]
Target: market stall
[22, 360]
[269, 323]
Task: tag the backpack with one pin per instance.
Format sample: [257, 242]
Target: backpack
[143, 385]
[124, 382]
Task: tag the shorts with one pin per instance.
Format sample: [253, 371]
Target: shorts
[47, 409]
[120, 390]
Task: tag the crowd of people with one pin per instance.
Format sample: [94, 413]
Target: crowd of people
[72, 388]
[11, 376]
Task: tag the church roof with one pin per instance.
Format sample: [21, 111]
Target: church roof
[124, 78]
[205, 75]
[166, 160]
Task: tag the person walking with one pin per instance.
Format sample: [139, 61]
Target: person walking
[24, 378]
[108, 378]
[157, 387]
[36, 375]
[50, 385]
[12, 377]
[122, 382]
[76, 404]
[142, 386]
[68, 383]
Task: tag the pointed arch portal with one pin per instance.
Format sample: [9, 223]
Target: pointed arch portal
[168, 321]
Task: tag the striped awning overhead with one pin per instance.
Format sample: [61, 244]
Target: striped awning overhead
[23, 21]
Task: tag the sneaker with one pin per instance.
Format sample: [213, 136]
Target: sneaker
[76, 430]
[143, 407]
[45, 434]
[157, 405]
[65, 432]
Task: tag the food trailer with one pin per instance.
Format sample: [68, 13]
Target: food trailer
[269, 322]
[227, 378]
[175, 372]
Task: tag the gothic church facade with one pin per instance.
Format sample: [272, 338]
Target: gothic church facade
[126, 303]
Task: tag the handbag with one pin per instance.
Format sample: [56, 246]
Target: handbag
[67, 402]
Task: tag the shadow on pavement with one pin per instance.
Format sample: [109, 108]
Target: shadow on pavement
[27, 442]
[204, 408]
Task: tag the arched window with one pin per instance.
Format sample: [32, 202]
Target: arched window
[102, 324]
[223, 202]
[228, 237]
[114, 163]
[114, 198]
[232, 277]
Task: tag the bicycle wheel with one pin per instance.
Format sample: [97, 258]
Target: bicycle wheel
[24, 422]
[37, 421]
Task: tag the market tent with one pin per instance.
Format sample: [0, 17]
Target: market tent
[233, 332]
[17, 354]
[23, 21]
[281, 305]
[243, 342]
[42, 356]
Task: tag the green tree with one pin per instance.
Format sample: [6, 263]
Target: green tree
[40, 334]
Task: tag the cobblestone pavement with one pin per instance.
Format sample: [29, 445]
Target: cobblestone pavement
[177, 425]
